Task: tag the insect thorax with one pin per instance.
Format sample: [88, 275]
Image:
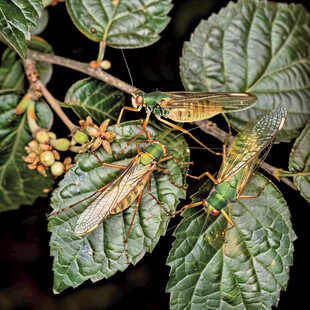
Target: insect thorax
[154, 151]
[152, 102]
[216, 200]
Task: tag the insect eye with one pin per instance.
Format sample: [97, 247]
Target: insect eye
[204, 203]
[139, 100]
[215, 212]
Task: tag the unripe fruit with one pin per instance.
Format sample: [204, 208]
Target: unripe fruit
[42, 136]
[105, 64]
[47, 158]
[61, 144]
[52, 135]
[57, 168]
[81, 137]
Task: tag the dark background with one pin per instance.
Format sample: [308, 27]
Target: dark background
[26, 276]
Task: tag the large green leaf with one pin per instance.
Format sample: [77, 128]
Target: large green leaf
[299, 162]
[247, 272]
[16, 18]
[91, 97]
[12, 74]
[259, 47]
[18, 184]
[101, 253]
[125, 23]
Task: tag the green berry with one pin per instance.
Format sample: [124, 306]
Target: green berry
[81, 137]
[52, 135]
[57, 168]
[105, 64]
[61, 144]
[47, 158]
[42, 136]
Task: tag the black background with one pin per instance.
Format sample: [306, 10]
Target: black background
[26, 276]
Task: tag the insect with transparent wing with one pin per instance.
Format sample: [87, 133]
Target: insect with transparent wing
[186, 107]
[240, 161]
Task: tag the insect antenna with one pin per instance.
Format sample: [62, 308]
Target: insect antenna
[128, 69]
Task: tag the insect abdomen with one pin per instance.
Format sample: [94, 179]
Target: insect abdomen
[127, 201]
[193, 112]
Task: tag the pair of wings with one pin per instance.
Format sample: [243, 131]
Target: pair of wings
[223, 102]
[120, 193]
[251, 146]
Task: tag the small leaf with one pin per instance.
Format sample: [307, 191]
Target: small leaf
[299, 162]
[247, 272]
[126, 23]
[101, 253]
[91, 97]
[18, 184]
[16, 18]
[259, 47]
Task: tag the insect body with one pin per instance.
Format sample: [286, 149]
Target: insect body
[122, 191]
[240, 161]
[187, 106]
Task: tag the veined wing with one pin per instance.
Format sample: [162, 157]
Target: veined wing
[112, 195]
[221, 102]
[251, 168]
[249, 144]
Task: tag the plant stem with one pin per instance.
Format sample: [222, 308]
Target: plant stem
[205, 125]
[54, 103]
[97, 73]
[37, 88]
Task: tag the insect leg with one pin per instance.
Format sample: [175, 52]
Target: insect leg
[128, 233]
[257, 195]
[107, 164]
[230, 222]
[202, 175]
[177, 160]
[122, 111]
[188, 133]
[137, 136]
[170, 176]
[149, 191]
[191, 205]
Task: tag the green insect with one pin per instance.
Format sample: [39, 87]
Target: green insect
[127, 187]
[186, 107]
[242, 158]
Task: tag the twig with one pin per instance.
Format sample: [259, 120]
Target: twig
[37, 88]
[206, 125]
[97, 73]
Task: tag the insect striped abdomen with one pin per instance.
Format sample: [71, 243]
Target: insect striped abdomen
[127, 201]
[193, 111]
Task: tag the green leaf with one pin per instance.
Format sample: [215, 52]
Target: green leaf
[12, 75]
[126, 23]
[101, 253]
[42, 23]
[96, 99]
[299, 162]
[258, 47]
[18, 184]
[16, 18]
[247, 272]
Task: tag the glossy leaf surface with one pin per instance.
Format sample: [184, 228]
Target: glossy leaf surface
[101, 253]
[259, 47]
[247, 272]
